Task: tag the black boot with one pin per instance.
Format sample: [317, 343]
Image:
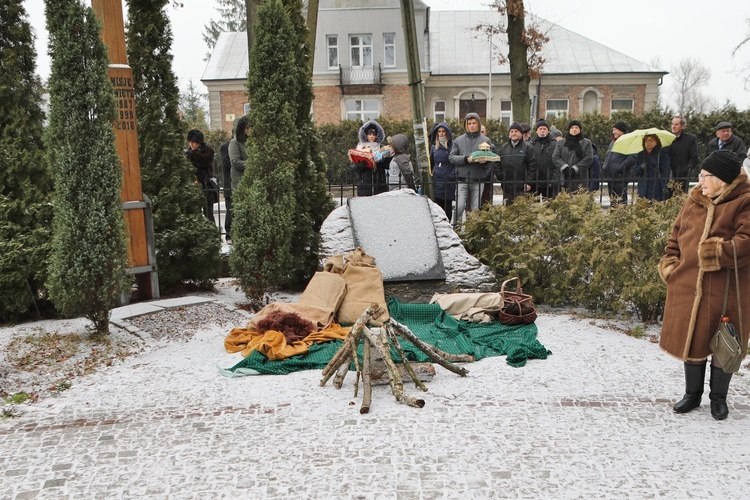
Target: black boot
[719, 387]
[694, 377]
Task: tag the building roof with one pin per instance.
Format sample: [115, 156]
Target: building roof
[229, 59]
[457, 48]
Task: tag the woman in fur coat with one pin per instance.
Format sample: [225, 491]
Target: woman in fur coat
[697, 256]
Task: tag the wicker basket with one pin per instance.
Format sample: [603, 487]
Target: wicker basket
[518, 308]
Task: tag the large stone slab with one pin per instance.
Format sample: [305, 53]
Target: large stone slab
[464, 272]
[398, 232]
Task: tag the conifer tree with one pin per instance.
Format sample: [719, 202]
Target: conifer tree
[265, 210]
[313, 202]
[232, 18]
[24, 180]
[89, 253]
[187, 245]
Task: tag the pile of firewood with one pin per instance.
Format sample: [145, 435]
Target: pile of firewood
[386, 338]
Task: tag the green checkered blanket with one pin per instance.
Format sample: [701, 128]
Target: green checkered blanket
[430, 324]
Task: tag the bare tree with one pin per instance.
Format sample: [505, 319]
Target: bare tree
[690, 77]
[745, 69]
[524, 53]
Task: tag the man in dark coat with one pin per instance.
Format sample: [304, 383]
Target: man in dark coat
[517, 170]
[201, 155]
[683, 154]
[543, 145]
[226, 171]
[725, 139]
[617, 167]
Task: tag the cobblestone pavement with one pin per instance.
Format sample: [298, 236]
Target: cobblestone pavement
[593, 420]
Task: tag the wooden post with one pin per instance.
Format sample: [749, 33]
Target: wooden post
[140, 257]
[416, 89]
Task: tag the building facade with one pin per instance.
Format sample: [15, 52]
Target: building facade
[360, 69]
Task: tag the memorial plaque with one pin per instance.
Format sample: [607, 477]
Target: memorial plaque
[398, 231]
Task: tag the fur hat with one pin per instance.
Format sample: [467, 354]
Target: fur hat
[542, 123]
[516, 126]
[724, 164]
[722, 125]
[621, 126]
[195, 136]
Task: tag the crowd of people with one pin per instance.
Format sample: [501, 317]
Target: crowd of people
[541, 165]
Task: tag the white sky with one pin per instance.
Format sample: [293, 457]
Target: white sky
[646, 30]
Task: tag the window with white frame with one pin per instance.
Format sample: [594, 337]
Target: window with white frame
[246, 108]
[506, 112]
[622, 105]
[438, 111]
[556, 108]
[362, 109]
[389, 50]
[332, 42]
[361, 50]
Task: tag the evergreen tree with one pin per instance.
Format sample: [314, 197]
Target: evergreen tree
[313, 202]
[265, 210]
[191, 105]
[89, 253]
[24, 180]
[187, 245]
[232, 18]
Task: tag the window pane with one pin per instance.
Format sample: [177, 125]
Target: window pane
[390, 56]
[506, 105]
[355, 56]
[622, 104]
[333, 57]
[367, 57]
[367, 40]
[390, 38]
[439, 105]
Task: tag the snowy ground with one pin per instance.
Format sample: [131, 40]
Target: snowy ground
[593, 420]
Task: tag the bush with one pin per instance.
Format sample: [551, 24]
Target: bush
[570, 252]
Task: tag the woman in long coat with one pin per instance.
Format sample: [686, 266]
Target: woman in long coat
[653, 169]
[572, 158]
[697, 256]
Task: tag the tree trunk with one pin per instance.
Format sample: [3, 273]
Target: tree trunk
[252, 18]
[519, 64]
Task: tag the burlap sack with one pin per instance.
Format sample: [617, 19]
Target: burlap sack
[358, 256]
[364, 286]
[335, 264]
[474, 307]
[324, 290]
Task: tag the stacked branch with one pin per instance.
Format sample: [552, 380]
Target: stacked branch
[383, 341]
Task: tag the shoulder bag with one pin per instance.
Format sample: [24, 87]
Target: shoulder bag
[726, 344]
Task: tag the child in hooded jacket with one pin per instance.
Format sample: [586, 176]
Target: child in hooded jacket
[400, 170]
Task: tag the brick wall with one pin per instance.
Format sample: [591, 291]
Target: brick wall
[232, 103]
[327, 104]
[609, 92]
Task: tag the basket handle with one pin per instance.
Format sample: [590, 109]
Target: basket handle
[518, 285]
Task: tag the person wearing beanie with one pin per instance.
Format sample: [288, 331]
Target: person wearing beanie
[621, 126]
[470, 175]
[201, 155]
[617, 167]
[517, 171]
[711, 229]
[572, 158]
[543, 146]
[371, 180]
[725, 139]
[652, 169]
[683, 154]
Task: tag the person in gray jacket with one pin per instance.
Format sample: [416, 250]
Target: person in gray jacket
[470, 175]
[237, 153]
[572, 157]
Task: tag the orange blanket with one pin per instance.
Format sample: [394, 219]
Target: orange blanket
[274, 345]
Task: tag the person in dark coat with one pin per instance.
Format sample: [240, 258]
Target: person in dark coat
[237, 150]
[543, 146]
[617, 167]
[201, 155]
[226, 175]
[696, 266]
[683, 154]
[371, 180]
[517, 169]
[572, 157]
[725, 139]
[443, 171]
[595, 170]
[653, 169]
